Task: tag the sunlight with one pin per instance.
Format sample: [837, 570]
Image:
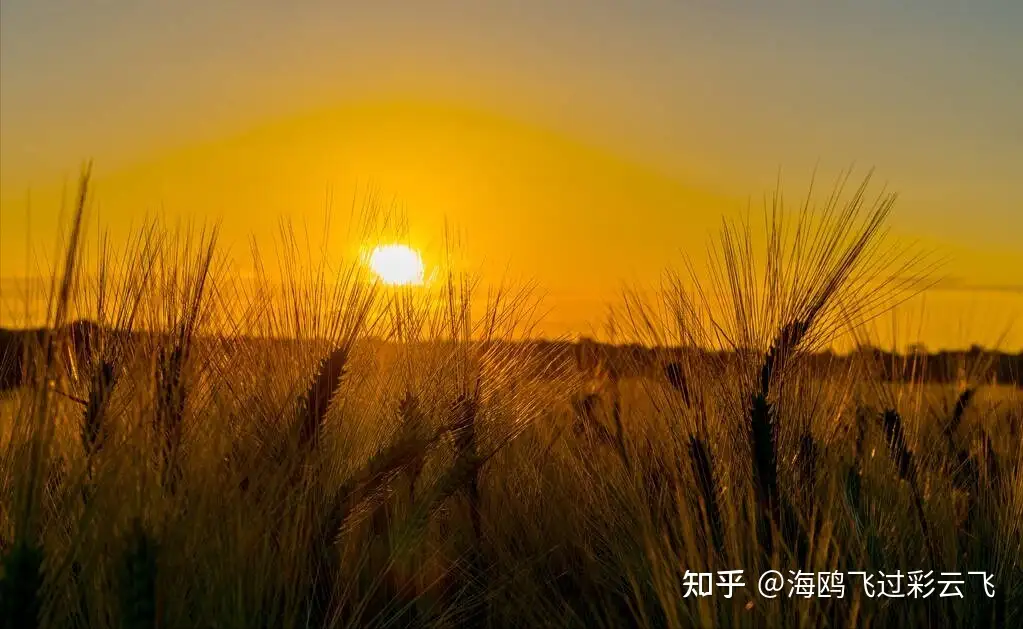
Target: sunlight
[397, 265]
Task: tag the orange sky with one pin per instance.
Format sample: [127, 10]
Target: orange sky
[583, 146]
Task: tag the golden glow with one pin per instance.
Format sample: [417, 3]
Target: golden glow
[576, 218]
[397, 265]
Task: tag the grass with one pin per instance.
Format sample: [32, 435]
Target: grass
[331, 454]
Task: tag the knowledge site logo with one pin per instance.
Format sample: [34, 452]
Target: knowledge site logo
[913, 584]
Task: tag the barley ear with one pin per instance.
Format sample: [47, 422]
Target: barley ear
[764, 440]
[898, 450]
[413, 425]
[170, 408]
[317, 399]
[703, 468]
[95, 407]
[677, 379]
[902, 457]
[962, 402]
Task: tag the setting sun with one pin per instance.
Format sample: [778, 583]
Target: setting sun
[397, 265]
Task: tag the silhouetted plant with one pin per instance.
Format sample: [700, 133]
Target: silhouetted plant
[138, 594]
[321, 391]
[103, 380]
[703, 469]
[677, 379]
[902, 457]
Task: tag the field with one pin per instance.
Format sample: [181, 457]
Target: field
[323, 451]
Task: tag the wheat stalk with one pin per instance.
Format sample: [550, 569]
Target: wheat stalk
[139, 608]
[21, 586]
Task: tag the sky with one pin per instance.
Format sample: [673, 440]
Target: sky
[581, 144]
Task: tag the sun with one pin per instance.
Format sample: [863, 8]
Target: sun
[397, 265]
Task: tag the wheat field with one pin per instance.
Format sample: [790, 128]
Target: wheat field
[323, 451]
